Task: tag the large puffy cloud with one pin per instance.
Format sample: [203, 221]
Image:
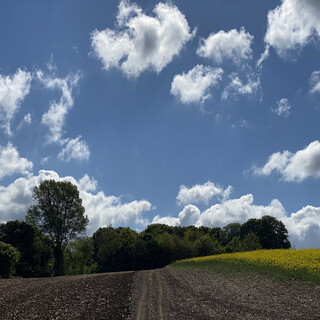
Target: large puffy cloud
[11, 163]
[237, 88]
[201, 193]
[238, 210]
[315, 82]
[190, 215]
[303, 226]
[54, 119]
[292, 24]
[297, 166]
[75, 149]
[13, 90]
[101, 209]
[193, 87]
[142, 42]
[233, 45]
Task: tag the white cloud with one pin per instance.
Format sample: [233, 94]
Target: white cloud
[13, 90]
[189, 215]
[233, 45]
[75, 149]
[283, 108]
[315, 82]
[87, 184]
[193, 87]
[170, 221]
[303, 226]
[11, 163]
[142, 42]
[27, 120]
[44, 160]
[292, 25]
[201, 193]
[237, 88]
[239, 210]
[101, 209]
[54, 119]
[264, 56]
[297, 166]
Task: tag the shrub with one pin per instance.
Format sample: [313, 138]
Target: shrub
[9, 256]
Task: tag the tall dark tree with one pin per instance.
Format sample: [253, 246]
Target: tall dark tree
[273, 234]
[58, 212]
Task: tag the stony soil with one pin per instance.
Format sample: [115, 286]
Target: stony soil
[169, 293]
[101, 296]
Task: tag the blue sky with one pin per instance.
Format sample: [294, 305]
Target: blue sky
[179, 112]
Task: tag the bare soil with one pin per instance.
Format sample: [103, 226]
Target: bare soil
[100, 296]
[169, 293]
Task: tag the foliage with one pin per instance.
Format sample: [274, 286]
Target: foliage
[78, 257]
[36, 254]
[9, 256]
[120, 249]
[58, 212]
[271, 232]
[251, 242]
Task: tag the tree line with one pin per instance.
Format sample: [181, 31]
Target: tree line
[51, 241]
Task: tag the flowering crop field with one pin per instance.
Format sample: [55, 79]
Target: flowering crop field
[301, 264]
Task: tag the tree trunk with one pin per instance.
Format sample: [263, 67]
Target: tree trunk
[59, 261]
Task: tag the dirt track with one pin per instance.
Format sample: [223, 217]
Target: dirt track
[158, 294]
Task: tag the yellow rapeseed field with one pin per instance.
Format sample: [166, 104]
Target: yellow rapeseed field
[299, 264]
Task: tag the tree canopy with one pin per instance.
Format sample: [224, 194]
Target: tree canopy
[58, 212]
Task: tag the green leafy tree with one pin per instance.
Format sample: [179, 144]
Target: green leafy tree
[231, 230]
[273, 234]
[106, 244]
[207, 245]
[78, 256]
[9, 256]
[58, 212]
[234, 245]
[35, 252]
[251, 242]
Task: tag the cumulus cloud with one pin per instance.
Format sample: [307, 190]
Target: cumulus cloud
[201, 193]
[315, 82]
[11, 163]
[237, 88]
[54, 119]
[297, 166]
[101, 209]
[233, 45]
[283, 108]
[142, 42]
[13, 90]
[190, 215]
[239, 210]
[303, 226]
[170, 221]
[75, 149]
[193, 87]
[292, 24]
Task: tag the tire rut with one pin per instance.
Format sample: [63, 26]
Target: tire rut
[150, 304]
